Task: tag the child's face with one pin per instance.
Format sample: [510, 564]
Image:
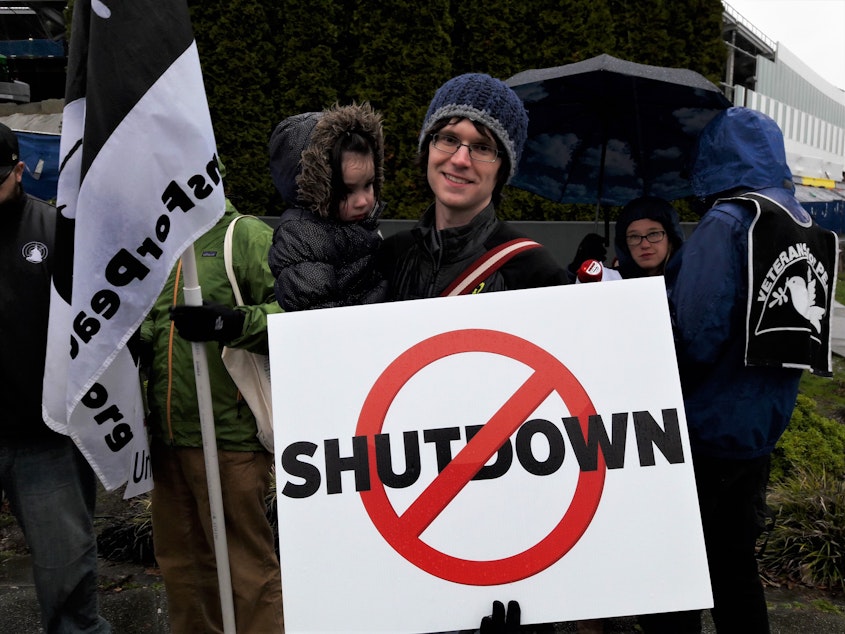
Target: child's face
[359, 172]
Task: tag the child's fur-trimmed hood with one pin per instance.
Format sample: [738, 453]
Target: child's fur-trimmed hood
[314, 182]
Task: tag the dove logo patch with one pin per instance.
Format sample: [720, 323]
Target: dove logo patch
[35, 252]
[791, 277]
[793, 292]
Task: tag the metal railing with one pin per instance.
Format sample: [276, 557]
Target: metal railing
[741, 19]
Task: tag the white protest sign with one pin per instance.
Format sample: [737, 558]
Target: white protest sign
[435, 455]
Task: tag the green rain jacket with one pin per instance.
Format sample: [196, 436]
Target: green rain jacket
[171, 389]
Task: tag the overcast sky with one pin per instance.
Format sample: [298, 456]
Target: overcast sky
[813, 30]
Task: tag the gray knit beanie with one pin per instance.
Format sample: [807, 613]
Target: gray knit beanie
[486, 100]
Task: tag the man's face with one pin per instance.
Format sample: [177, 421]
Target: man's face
[462, 186]
[9, 186]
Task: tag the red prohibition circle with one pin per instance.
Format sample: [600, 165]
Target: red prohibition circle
[403, 532]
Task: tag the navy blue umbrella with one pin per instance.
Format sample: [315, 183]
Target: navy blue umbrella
[606, 130]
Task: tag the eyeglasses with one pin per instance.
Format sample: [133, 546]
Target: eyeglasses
[477, 151]
[653, 236]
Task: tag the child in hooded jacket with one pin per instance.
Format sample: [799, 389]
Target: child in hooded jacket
[329, 167]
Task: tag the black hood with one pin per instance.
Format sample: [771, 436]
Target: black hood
[288, 141]
[301, 153]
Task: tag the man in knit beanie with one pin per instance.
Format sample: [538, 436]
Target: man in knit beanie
[469, 147]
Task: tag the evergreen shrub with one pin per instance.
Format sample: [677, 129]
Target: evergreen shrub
[807, 543]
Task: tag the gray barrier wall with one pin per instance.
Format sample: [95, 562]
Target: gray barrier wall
[561, 238]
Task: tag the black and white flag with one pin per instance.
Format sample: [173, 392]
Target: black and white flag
[139, 182]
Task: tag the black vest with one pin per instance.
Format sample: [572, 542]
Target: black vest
[791, 279]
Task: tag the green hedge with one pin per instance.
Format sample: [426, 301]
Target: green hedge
[811, 443]
[265, 61]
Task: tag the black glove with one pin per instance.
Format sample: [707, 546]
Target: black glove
[499, 623]
[209, 322]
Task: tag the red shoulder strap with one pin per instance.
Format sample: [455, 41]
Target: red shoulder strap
[487, 264]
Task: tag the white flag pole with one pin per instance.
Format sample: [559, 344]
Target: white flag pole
[193, 297]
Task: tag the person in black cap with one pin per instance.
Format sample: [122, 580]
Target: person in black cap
[50, 487]
[471, 141]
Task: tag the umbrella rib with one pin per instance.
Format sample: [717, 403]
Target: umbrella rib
[642, 167]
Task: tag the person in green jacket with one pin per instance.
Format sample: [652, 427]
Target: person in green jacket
[182, 529]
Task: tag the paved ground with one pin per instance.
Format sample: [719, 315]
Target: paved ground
[133, 600]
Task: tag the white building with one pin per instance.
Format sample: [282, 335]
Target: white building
[766, 76]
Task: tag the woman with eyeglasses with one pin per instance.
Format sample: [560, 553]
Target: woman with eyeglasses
[648, 234]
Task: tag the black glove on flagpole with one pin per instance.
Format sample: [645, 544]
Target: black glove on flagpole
[209, 322]
[499, 622]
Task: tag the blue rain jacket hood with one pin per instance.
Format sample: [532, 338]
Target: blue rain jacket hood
[733, 411]
[740, 149]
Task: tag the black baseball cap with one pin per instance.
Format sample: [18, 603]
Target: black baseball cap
[9, 151]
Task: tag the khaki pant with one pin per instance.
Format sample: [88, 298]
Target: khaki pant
[184, 542]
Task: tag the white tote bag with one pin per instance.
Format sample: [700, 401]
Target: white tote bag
[250, 371]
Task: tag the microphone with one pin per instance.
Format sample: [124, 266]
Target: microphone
[590, 271]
